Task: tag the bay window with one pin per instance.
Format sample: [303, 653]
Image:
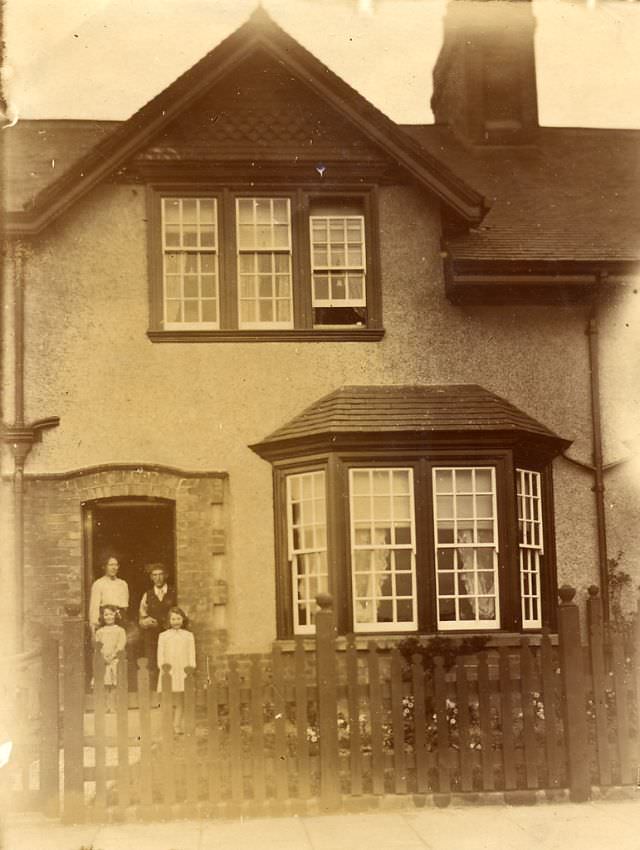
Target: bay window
[460, 574]
[420, 509]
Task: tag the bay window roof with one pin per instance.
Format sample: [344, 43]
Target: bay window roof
[356, 415]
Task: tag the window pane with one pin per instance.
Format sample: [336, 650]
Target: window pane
[466, 554]
[307, 544]
[383, 545]
[191, 311]
[189, 224]
[337, 248]
[264, 240]
[531, 552]
[209, 311]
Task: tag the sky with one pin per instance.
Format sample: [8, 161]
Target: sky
[104, 59]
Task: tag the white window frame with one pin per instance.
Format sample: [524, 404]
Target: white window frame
[330, 268]
[318, 479]
[395, 626]
[459, 624]
[270, 251]
[182, 251]
[530, 543]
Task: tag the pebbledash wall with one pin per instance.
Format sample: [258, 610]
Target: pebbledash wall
[196, 407]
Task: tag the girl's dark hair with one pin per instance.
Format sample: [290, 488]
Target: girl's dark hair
[177, 610]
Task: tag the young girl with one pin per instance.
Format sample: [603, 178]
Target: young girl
[112, 640]
[176, 647]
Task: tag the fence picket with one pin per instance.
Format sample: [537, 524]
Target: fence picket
[462, 700]
[168, 768]
[527, 690]
[621, 703]
[122, 723]
[375, 717]
[257, 731]
[192, 767]
[549, 697]
[235, 733]
[506, 709]
[598, 679]
[302, 721]
[397, 714]
[50, 728]
[281, 756]
[353, 697]
[99, 721]
[442, 727]
[420, 725]
[144, 709]
[213, 742]
[73, 728]
[486, 733]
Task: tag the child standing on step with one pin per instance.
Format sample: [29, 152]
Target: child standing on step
[176, 646]
[112, 639]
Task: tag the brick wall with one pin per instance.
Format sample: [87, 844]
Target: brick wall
[54, 552]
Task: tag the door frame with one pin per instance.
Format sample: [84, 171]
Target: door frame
[88, 509]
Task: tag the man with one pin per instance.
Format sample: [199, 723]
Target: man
[154, 612]
[108, 590]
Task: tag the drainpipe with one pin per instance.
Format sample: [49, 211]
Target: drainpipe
[21, 447]
[20, 437]
[598, 467]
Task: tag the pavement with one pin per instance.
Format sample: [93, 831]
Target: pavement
[597, 825]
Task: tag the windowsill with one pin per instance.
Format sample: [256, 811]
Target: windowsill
[390, 641]
[285, 335]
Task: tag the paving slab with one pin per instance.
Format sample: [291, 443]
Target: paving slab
[259, 834]
[172, 835]
[370, 831]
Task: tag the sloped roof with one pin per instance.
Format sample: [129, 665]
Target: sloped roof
[391, 409]
[259, 32]
[573, 195]
[37, 152]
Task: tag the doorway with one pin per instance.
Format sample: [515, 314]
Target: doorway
[137, 531]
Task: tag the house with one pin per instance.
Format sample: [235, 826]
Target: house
[263, 334]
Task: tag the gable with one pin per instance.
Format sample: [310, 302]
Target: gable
[261, 109]
[161, 120]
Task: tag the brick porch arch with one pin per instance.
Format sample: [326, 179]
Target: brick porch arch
[54, 539]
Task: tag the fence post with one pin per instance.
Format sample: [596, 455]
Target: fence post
[574, 696]
[73, 722]
[50, 727]
[327, 703]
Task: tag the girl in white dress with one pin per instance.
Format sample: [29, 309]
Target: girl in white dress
[176, 646]
[112, 640]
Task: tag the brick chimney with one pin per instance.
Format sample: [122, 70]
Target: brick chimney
[484, 81]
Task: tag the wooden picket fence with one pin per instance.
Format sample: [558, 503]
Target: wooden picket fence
[333, 723]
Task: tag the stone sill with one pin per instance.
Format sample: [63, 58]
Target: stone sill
[292, 335]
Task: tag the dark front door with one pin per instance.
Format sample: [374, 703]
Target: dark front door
[138, 532]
